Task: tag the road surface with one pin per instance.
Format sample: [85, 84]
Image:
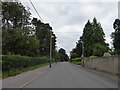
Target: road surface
[66, 75]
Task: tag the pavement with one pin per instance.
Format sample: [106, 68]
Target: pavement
[61, 75]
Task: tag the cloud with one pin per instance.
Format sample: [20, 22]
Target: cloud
[72, 0]
[68, 36]
[68, 18]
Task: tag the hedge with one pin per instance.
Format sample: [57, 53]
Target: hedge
[93, 57]
[107, 54]
[12, 62]
[77, 59]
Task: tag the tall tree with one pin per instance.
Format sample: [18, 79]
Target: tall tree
[92, 40]
[63, 55]
[77, 51]
[16, 33]
[87, 39]
[44, 33]
[116, 36]
[14, 15]
[23, 36]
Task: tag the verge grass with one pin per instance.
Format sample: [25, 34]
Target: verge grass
[19, 71]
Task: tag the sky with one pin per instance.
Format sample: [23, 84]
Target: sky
[68, 17]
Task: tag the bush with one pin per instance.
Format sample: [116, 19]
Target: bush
[107, 54]
[77, 59]
[117, 52]
[93, 57]
[73, 55]
[17, 62]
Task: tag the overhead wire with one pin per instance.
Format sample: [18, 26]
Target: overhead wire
[36, 10]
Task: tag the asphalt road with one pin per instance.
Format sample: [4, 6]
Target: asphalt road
[66, 75]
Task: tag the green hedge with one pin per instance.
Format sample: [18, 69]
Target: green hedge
[93, 57]
[77, 59]
[12, 62]
[107, 54]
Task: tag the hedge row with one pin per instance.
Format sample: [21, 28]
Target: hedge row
[12, 62]
[78, 59]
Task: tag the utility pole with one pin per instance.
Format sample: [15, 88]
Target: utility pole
[82, 48]
[50, 47]
[82, 53]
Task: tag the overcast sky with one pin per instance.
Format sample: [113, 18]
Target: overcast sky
[68, 18]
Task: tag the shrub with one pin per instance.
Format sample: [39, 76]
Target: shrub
[117, 52]
[107, 54]
[17, 62]
[93, 57]
[77, 59]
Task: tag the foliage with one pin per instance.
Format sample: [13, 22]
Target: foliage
[117, 52]
[92, 39]
[57, 57]
[99, 49]
[17, 43]
[63, 55]
[77, 59]
[44, 34]
[77, 51]
[13, 62]
[106, 54]
[116, 36]
[17, 71]
[93, 57]
[14, 15]
[23, 36]
[73, 55]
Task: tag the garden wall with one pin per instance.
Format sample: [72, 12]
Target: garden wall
[106, 64]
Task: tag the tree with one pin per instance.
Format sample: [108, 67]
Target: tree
[92, 40]
[63, 55]
[43, 33]
[73, 55]
[14, 27]
[77, 51]
[87, 38]
[116, 36]
[57, 56]
[99, 49]
[14, 15]
[24, 36]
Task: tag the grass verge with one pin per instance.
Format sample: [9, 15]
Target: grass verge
[18, 71]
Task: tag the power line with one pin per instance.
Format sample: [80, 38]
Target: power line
[67, 32]
[35, 10]
[77, 31]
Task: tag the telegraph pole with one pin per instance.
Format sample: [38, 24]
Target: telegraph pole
[50, 47]
[82, 53]
[82, 48]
